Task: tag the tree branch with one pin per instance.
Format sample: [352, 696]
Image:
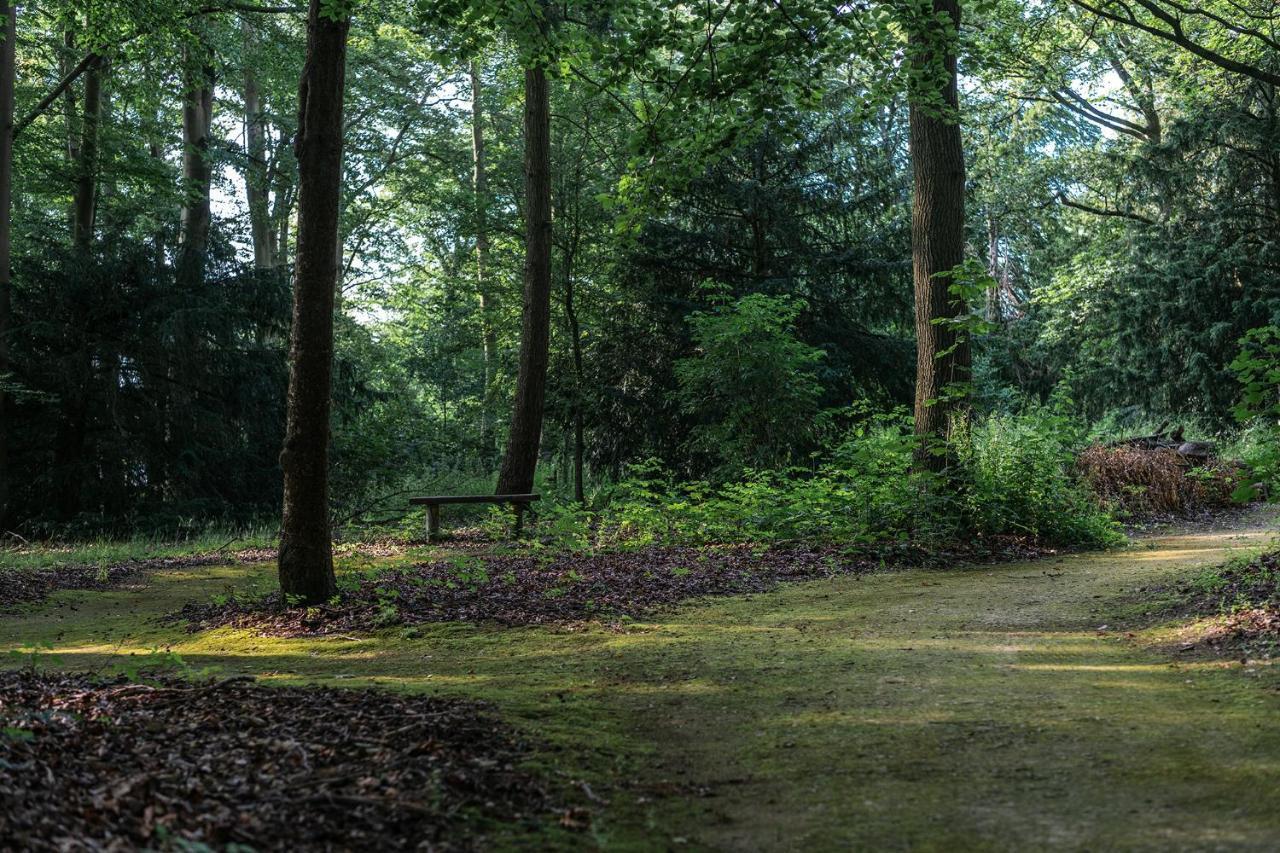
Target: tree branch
[1175, 35]
[1101, 211]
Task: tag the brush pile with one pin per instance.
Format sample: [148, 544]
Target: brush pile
[1162, 473]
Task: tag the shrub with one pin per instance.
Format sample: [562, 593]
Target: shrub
[1016, 478]
[751, 384]
[1257, 367]
[1019, 469]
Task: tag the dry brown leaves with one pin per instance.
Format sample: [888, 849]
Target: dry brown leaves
[93, 764]
[1142, 481]
[532, 588]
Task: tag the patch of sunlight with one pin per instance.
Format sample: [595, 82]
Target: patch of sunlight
[1093, 667]
[692, 687]
[865, 717]
[371, 679]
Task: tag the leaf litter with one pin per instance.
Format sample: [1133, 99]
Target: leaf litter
[110, 764]
[532, 588]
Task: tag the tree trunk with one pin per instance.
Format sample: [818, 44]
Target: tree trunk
[488, 330]
[197, 124]
[7, 74]
[995, 269]
[86, 156]
[306, 552]
[937, 229]
[569, 250]
[521, 458]
[575, 345]
[256, 179]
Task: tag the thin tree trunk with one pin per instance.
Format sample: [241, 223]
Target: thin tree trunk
[521, 458]
[575, 346]
[937, 229]
[570, 252]
[256, 179]
[480, 191]
[7, 74]
[86, 152]
[994, 269]
[306, 551]
[155, 148]
[197, 124]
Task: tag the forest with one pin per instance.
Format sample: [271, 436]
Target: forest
[617, 424]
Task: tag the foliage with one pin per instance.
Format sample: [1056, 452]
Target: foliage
[1257, 367]
[1017, 469]
[751, 385]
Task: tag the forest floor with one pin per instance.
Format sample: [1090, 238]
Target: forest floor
[1032, 705]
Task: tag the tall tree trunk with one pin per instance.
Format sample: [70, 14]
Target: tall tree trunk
[256, 178]
[7, 74]
[72, 430]
[521, 458]
[86, 155]
[937, 228]
[480, 191]
[197, 125]
[575, 341]
[306, 553]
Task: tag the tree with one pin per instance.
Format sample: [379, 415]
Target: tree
[1231, 35]
[8, 71]
[937, 225]
[306, 556]
[197, 170]
[480, 189]
[521, 458]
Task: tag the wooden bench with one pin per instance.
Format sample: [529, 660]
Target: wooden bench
[433, 504]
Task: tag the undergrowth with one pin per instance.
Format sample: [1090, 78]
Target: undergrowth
[1011, 476]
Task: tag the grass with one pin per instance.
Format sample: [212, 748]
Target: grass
[103, 552]
[984, 708]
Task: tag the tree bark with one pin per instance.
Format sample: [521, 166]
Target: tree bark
[197, 124]
[521, 458]
[306, 552]
[256, 178]
[937, 229]
[86, 157]
[8, 70]
[480, 191]
[575, 339]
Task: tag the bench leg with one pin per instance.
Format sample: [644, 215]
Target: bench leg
[519, 520]
[433, 522]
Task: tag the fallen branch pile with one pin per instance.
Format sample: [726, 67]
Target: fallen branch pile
[1159, 473]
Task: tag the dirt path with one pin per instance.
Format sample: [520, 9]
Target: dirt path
[989, 710]
[980, 709]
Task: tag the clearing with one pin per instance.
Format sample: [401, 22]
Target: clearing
[997, 707]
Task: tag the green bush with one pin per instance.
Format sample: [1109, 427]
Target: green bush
[751, 385]
[1257, 367]
[1019, 476]
[1015, 478]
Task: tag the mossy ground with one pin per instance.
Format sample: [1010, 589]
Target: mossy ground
[983, 708]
